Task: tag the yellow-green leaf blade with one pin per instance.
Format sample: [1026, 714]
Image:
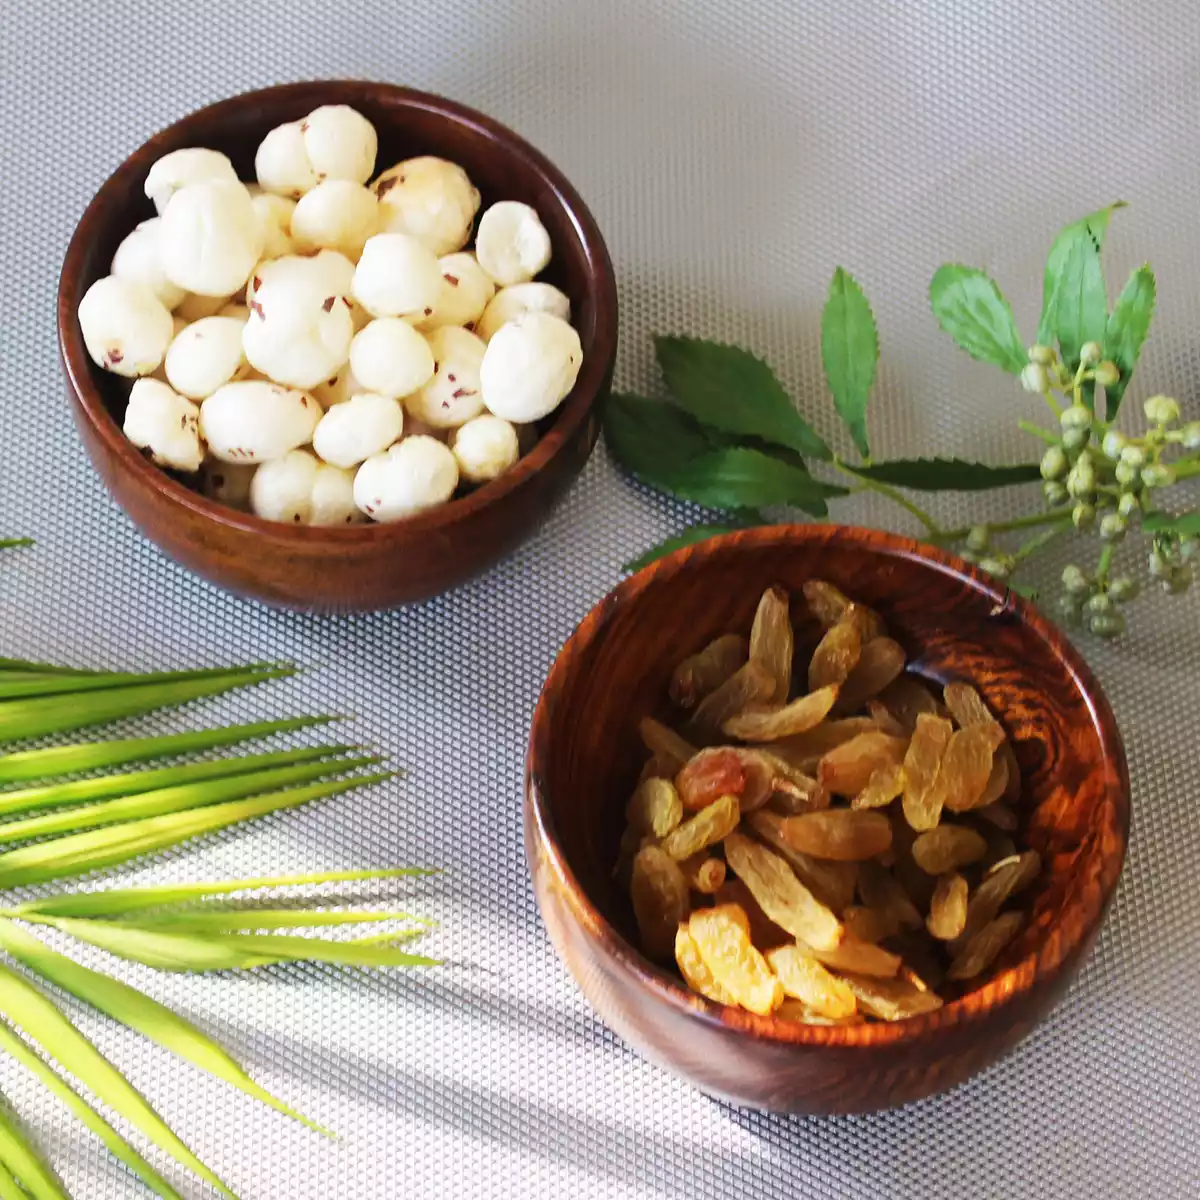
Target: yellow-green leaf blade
[849, 353]
[1094, 227]
[9, 1188]
[24, 1161]
[1128, 325]
[32, 1011]
[14, 685]
[970, 308]
[234, 920]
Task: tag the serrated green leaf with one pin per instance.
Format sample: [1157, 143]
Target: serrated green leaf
[728, 388]
[122, 901]
[1187, 523]
[651, 438]
[1081, 311]
[743, 478]
[181, 798]
[849, 353]
[969, 307]
[80, 853]
[121, 1148]
[689, 537]
[139, 1012]
[1128, 325]
[53, 761]
[1094, 227]
[947, 474]
[39, 1017]
[24, 1161]
[20, 719]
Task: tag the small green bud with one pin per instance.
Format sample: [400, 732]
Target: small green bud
[1075, 582]
[1054, 463]
[1098, 604]
[1129, 506]
[1162, 410]
[996, 566]
[1158, 565]
[1084, 516]
[1177, 581]
[979, 538]
[1081, 482]
[1075, 439]
[1055, 493]
[1158, 475]
[1123, 589]
[1127, 474]
[1113, 527]
[1044, 356]
[1070, 611]
[1135, 456]
[1107, 625]
[1107, 374]
[1075, 417]
[1114, 442]
[1191, 435]
[1089, 353]
[1034, 378]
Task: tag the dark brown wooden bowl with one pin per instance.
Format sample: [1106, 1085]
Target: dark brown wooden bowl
[955, 623]
[364, 567]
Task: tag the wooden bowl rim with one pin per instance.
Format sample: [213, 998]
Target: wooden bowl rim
[1003, 989]
[573, 413]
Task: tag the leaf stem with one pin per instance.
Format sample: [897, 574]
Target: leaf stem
[1185, 468]
[1102, 567]
[873, 485]
[1031, 521]
[1035, 543]
[1037, 431]
[13, 543]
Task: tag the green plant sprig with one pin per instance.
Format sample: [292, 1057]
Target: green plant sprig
[729, 438]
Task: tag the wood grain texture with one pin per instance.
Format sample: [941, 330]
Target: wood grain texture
[365, 567]
[955, 623]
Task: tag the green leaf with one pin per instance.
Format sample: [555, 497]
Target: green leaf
[23, 1161]
[689, 537]
[186, 796]
[969, 307]
[13, 543]
[849, 352]
[245, 920]
[9, 1188]
[118, 1146]
[138, 1012]
[80, 853]
[730, 389]
[1187, 523]
[90, 756]
[1128, 325]
[15, 684]
[121, 901]
[743, 478]
[33, 1012]
[1082, 302]
[651, 438]
[947, 474]
[1093, 227]
[49, 714]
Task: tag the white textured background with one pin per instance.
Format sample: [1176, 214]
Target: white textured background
[733, 153]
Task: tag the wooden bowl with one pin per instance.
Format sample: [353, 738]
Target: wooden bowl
[955, 623]
[363, 567]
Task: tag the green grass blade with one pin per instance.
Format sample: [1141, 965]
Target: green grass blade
[31, 1010]
[235, 920]
[21, 719]
[121, 901]
[177, 799]
[9, 1188]
[14, 543]
[139, 1012]
[52, 761]
[43, 668]
[132, 783]
[52, 683]
[79, 853]
[118, 1146]
[24, 1161]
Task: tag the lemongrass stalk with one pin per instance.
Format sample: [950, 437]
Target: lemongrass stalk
[14, 685]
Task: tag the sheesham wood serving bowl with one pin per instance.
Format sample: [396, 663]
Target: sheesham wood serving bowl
[585, 756]
[363, 567]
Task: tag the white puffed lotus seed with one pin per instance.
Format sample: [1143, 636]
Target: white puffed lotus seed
[137, 259]
[298, 333]
[181, 167]
[512, 244]
[254, 421]
[416, 473]
[335, 215]
[337, 389]
[485, 447]
[466, 290]
[396, 275]
[453, 396]
[275, 214]
[429, 198]
[511, 302]
[333, 497]
[196, 308]
[530, 366]
[282, 489]
[125, 326]
[165, 423]
[366, 424]
[390, 357]
[211, 237]
[228, 483]
[340, 142]
[205, 356]
[281, 162]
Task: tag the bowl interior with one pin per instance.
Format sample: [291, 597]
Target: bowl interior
[408, 123]
[586, 754]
